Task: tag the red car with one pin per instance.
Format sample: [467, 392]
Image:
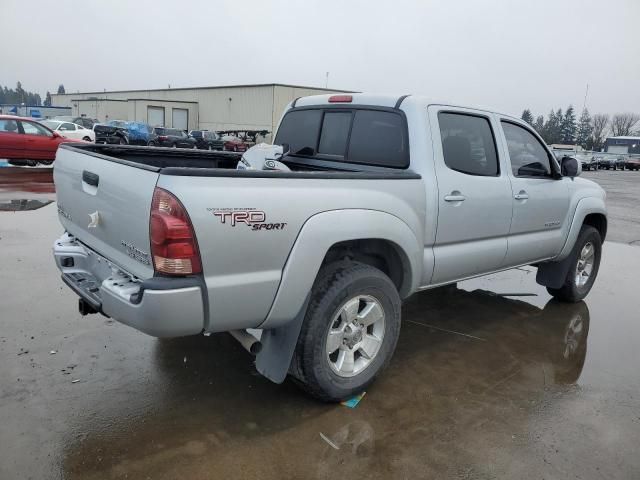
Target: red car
[233, 144]
[24, 141]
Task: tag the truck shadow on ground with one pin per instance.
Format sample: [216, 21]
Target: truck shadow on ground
[465, 360]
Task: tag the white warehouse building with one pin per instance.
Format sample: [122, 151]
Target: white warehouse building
[237, 107]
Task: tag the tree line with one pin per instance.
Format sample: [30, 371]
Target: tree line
[19, 96]
[588, 131]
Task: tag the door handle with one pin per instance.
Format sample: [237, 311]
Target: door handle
[455, 196]
[90, 178]
[521, 195]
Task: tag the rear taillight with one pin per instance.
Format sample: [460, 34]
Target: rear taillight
[162, 137]
[173, 243]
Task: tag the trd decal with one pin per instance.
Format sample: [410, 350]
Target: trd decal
[255, 219]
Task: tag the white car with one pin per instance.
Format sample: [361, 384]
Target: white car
[70, 130]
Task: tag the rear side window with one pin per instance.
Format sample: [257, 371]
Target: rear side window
[378, 138]
[468, 144]
[371, 137]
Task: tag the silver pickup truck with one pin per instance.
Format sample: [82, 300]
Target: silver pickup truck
[306, 265]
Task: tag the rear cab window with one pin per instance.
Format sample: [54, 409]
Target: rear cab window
[357, 135]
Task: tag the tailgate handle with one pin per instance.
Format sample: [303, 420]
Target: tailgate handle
[90, 178]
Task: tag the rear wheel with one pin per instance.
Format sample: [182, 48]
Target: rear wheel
[585, 263]
[349, 333]
[151, 144]
[87, 139]
[123, 141]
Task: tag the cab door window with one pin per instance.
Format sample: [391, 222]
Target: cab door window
[529, 158]
[32, 128]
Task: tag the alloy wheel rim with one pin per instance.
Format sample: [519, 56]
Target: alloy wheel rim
[355, 335]
[584, 267]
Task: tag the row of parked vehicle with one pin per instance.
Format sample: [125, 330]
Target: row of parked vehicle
[602, 160]
[138, 133]
[608, 161]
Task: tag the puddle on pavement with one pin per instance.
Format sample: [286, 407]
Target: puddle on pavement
[476, 375]
[22, 205]
[490, 380]
[26, 179]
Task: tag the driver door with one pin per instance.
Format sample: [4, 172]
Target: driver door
[540, 201]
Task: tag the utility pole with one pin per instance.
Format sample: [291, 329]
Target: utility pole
[326, 82]
[584, 104]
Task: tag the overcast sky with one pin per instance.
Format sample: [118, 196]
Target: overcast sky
[506, 54]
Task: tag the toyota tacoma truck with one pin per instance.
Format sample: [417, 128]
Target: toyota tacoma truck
[307, 259]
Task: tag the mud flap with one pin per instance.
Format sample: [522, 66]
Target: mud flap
[278, 345]
[553, 274]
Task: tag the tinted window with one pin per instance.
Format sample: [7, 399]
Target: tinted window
[378, 138]
[159, 131]
[468, 145]
[528, 157]
[67, 127]
[300, 130]
[335, 131]
[196, 134]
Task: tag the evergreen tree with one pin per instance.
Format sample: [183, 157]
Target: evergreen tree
[527, 116]
[47, 100]
[552, 127]
[568, 127]
[61, 89]
[584, 129]
[539, 124]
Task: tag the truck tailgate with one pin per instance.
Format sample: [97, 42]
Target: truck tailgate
[106, 205]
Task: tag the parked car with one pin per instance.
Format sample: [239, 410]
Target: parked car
[587, 160]
[26, 142]
[233, 144]
[320, 254]
[70, 130]
[611, 162]
[86, 122]
[207, 140]
[126, 133]
[173, 137]
[633, 162]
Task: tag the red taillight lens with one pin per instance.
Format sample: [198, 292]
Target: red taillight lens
[173, 243]
[340, 99]
[162, 138]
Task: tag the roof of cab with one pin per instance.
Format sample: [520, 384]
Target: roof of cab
[387, 100]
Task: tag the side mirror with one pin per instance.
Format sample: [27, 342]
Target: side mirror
[570, 167]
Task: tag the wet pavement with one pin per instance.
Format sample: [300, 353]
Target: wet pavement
[484, 384]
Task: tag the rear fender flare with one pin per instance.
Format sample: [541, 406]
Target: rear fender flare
[319, 234]
[322, 231]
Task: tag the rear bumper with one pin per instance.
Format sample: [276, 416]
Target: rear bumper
[161, 307]
[109, 140]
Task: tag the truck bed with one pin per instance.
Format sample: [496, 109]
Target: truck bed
[172, 161]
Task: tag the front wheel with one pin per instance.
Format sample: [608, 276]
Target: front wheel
[349, 333]
[585, 263]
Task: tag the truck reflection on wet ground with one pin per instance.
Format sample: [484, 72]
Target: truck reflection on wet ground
[440, 390]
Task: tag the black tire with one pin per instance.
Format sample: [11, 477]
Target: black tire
[335, 285]
[151, 144]
[175, 145]
[122, 141]
[570, 291]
